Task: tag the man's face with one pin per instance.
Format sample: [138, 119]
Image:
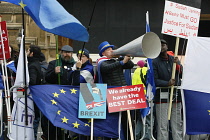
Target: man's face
[164, 47]
[29, 54]
[108, 53]
[83, 58]
[66, 55]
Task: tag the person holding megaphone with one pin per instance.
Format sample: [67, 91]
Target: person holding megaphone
[110, 70]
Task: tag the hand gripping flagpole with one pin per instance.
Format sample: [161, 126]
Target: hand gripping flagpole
[173, 77]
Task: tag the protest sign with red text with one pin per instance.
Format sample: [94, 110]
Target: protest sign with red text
[180, 20]
[126, 98]
[5, 43]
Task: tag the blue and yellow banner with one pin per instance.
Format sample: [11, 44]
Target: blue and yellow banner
[60, 104]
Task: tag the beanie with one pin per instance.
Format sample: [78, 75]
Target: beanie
[85, 52]
[141, 63]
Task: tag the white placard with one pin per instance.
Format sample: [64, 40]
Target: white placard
[180, 20]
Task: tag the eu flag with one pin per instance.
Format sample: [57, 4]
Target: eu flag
[197, 106]
[50, 16]
[195, 83]
[59, 103]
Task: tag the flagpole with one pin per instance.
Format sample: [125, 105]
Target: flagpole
[57, 59]
[130, 124]
[173, 77]
[150, 87]
[24, 69]
[91, 135]
[88, 27]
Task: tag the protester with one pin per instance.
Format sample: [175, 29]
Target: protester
[140, 77]
[86, 76]
[110, 71]
[34, 69]
[162, 66]
[60, 72]
[44, 64]
[86, 71]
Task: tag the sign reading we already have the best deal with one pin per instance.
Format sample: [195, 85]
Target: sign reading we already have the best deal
[126, 98]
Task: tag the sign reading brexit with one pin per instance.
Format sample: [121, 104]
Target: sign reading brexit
[126, 98]
[180, 20]
[4, 41]
[92, 101]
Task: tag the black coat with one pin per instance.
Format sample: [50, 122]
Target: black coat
[67, 76]
[34, 70]
[112, 72]
[162, 74]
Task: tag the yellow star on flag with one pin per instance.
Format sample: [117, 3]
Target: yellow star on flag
[55, 94]
[73, 91]
[76, 125]
[22, 4]
[59, 112]
[62, 91]
[89, 120]
[87, 124]
[53, 102]
[64, 119]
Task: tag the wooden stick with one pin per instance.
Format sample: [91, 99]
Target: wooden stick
[130, 124]
[173, 77]
[91, 135]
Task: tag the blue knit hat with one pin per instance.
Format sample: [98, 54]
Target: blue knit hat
[103, 46]
[85, 52]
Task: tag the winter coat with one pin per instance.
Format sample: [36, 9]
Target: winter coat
[67, 75]
[34, 70]
[86, 73]
[162, 74]
[112, 72]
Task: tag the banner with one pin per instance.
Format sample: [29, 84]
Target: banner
[180, 20]
[196, 86]
[5, 42]
[59, 103]
[126, 98]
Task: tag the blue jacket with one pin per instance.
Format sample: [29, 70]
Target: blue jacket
[87, 73]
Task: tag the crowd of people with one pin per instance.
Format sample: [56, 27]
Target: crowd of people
[65, 70]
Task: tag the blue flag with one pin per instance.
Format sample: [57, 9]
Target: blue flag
[50, 16]
[1, 82]
[11, 65]
[197, 112]
[150, 84]
[196, 86]
[60, 104]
